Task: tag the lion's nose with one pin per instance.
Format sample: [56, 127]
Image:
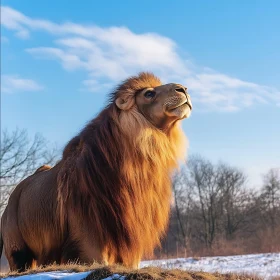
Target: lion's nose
[180, 88]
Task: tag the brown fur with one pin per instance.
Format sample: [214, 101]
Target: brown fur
[108, 199]
[43, 168]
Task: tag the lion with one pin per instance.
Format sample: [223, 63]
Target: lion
[108, 198]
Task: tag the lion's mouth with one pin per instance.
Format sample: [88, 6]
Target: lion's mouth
[185, 102]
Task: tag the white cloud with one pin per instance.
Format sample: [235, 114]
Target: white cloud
[216, 91]
[14, 83]
[68, 60]
[14, 20]
[114, 53]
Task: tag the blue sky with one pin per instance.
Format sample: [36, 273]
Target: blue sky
[60, 59]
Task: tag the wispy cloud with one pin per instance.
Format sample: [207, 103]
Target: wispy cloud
[108, 55]
[223, 93]
[14, 83]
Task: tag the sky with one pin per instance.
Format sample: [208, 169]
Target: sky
[60, 60]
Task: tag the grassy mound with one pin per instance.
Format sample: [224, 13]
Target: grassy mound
[147, 273]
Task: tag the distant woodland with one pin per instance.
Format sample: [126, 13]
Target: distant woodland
[215, 212]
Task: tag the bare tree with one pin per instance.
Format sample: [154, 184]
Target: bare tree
[270, 197]
[234, 202]
[183, 201]
[20, 157]
[203, 180]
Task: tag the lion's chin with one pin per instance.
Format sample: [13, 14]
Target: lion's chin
[181, 112]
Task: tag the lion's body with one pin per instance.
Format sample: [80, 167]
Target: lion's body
[28, 222]
[107, 200]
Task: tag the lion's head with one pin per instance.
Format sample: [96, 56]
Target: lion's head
[161, 105]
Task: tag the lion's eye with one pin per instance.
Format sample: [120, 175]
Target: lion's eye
[149, 93]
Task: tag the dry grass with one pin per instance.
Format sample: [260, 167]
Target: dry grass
[149, 273]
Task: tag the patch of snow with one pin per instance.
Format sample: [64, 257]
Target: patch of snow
[263, 265]
[115, 277]
[52, 275]
[61, 275]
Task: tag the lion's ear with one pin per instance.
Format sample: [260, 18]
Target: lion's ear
[124, 104]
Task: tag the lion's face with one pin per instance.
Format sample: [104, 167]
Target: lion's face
[161, 105]
[164, 104]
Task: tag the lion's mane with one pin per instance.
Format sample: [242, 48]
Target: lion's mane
[116, 175]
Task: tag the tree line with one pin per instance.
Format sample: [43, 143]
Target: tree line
[214, 212]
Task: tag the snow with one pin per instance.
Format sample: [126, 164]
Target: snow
[115, 276]
[62, 275]
[264, 265]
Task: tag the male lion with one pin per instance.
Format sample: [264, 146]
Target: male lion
[108, 198]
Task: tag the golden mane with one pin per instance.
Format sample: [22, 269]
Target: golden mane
[116, 175]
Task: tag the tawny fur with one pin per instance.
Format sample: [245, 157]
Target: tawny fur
[108, 199]
[43, 168]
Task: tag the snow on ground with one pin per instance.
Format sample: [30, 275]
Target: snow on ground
[52, 275]
[264, 265]
[61, 275]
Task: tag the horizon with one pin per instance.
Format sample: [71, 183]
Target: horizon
[60, 61]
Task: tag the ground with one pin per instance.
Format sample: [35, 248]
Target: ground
[259, 266]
